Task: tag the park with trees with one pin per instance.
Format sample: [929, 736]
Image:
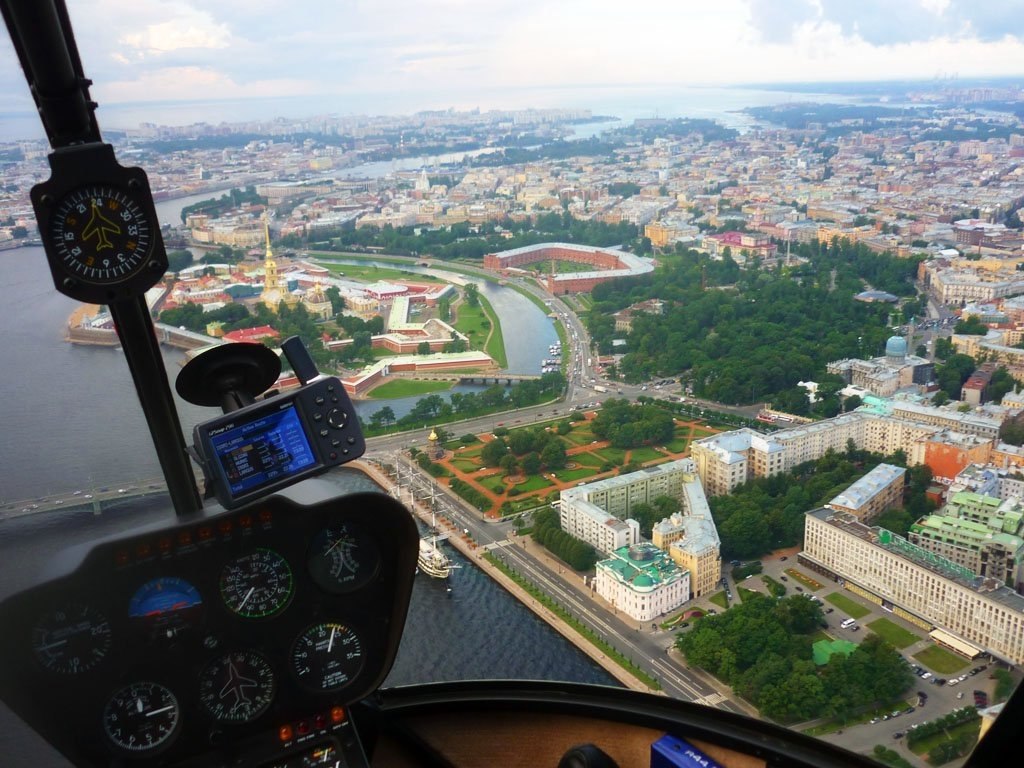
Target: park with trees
[743, 336]
[762, 648]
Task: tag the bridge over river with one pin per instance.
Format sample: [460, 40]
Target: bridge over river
[94, 498]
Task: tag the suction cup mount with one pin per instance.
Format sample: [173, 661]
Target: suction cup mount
[229, 376]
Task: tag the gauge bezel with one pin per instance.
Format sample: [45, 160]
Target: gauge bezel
[75, 171]
[266, 686]
[166, 739]
[76, 613]
[318, 562]
[306, 637]
[279, 602]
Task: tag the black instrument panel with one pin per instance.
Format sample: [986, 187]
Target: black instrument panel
[254, 629]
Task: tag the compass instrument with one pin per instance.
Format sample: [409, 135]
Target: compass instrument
[98, 226]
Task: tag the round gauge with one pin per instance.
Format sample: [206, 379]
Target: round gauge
[327, 656]
[238, 687]
[167, 606]
[100, 233]
[342, 558]
[141, 717]
[256, 585]
[72, 639]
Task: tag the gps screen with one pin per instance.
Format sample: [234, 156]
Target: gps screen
[269, 448]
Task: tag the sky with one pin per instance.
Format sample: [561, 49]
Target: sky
[491, 53]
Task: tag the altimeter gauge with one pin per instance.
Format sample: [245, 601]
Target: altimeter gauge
[141, 718]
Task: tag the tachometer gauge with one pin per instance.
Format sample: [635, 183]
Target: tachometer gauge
[72, 639]
[327, 657]
[141, 717]
[257, 585]
[342, 558]
[238, 687]
[167, 606]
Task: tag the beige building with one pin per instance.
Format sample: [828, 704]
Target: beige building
[729, 459]
[877, 491]
[971, 612]
[597, 513]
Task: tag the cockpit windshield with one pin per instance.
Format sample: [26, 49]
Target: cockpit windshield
[690, 334]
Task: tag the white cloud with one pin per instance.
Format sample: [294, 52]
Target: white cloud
[452, 50]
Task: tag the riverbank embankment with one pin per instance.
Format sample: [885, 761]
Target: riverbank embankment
[475, 553]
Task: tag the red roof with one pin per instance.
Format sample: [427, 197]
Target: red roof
[252, 334]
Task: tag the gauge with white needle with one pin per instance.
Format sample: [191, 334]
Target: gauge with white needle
[141, 718]
[327, 656]
[342, 558]
[257, 584]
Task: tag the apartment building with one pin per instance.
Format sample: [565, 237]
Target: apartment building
[981, 533]
[877, 491]
[967, 611]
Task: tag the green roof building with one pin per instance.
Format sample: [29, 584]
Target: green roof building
[981, 533]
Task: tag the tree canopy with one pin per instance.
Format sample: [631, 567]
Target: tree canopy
[743, 336]
[762, 648]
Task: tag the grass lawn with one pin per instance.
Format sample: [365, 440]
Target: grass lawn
[471, 451]
[616, 456]
[678, 445]
[699, 433]
[495, 484]
[645, 454]
[408, 388]
[851, 608]
[465, 465]
[533, 483]
[929, 743]
[745, 594]
[719, 599]
[496, 343]
[579, 436]
[372, 273]
[586, 460]
[894, 634]
[572, 475]
[940, 660]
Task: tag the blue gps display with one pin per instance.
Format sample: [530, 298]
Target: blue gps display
[271, 447]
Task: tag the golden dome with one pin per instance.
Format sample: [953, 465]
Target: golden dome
[433, 436]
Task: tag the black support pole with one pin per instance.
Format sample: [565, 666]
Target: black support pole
[142, 351]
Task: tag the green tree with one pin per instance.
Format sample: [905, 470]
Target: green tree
[178, 259]
[423, 348]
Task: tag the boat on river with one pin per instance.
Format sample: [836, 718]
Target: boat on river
[432, 560]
